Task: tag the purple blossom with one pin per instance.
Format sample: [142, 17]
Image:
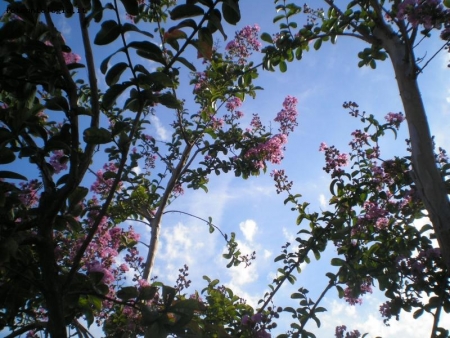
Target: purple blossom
[395, 119]
[256, 122]
[287, 117]
[58, 161]
[385, 310]
[339, 332]
[271, 150]
[244, 43]
[233, 103]
[334, 160]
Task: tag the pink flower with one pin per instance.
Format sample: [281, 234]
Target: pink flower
[395, 119]
[58, 161]
[233, 103]
[244, 43]
[323, 147]
[287, 117]
[271, 150]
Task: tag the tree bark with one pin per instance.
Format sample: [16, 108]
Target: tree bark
[426, 175]
[156, 221]
[52, 292]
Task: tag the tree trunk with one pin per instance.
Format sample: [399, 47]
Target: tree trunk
[52, 292]
[426, 175]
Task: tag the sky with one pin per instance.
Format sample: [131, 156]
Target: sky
[252, 209]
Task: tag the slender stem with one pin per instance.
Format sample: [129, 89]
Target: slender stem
[331, 283]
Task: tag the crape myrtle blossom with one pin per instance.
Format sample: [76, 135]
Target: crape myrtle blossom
[340, 330]
[395, 119]
[352, 298]
[334, 159]
[272, 149]
[102, 185]
[429, 13]
[58, 161]
[70, 57]
[287, 117]
[245, 42]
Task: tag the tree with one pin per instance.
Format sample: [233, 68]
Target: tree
[59, 243]
[391, 28]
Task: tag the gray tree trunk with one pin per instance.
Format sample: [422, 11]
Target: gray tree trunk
[426, 175]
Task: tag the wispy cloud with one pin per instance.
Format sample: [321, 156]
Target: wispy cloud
[161, 131]
[248, 228]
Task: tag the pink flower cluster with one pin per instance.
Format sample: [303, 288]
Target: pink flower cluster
[340, 330]
[365, 287]
[422, 12]
[359, 139]
[29, 195]
[334, 160]
[245, 42]
[232, 104]
[101, 185]
[271, 150]
[287, 117]
[200, 82]
[68, 57]
[58, 161]
[395, 119]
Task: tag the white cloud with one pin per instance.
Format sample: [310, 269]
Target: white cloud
[65, 28]
[137, 170]
[249, 228]
[267, 253]
[323, 201]
[289, 236]
[160, 130]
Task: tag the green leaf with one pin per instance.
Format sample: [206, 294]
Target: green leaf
[95, 135]
[77, 196]
[128, 27]
[112, 93]
[278, 18]
[147, 292]
[127, 292]
[161, 79]
[131, 6]
[214, 23]
[115, 72]
[447, 3]
[185, 62]
[57, 103]
[185, 23]
[231, 12]
[205, 43]
[283, 66]
[168, 295]
[186, 11]
[11, 175]
[337, 262]
[317, 44]
[156, 330]
[104, 64]
[145, 46]
[148, 50]
[167, 99]
[108, 33]
[418, 313]
[266, 37]
[6, 156]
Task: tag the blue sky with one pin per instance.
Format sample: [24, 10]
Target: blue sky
[322, 81]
